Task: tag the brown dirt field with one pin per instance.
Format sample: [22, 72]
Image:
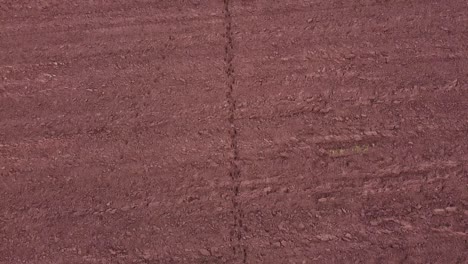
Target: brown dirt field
[243, 131]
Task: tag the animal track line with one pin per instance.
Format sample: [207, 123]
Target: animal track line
[238, 247]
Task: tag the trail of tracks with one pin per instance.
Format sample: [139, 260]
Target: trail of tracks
[239, 248]
[206, 131]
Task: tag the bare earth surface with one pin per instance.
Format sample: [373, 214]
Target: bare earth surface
[243, 131]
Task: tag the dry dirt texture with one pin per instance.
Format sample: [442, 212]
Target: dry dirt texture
[235, 131]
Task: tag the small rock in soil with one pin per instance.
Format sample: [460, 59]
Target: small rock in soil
[293, 139]
[204, 252]
[268, 190]
[349, 56]
[325, 110]
[325, 237]
[322, 200]
[153, 204]
[216, 253]
[147, 255]
[282, 226]
[451, 209]
[439, 211]
[277, 244]
[370, 133]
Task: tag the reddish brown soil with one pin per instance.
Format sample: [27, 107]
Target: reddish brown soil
[243, 131]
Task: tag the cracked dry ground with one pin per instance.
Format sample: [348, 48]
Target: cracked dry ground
[233, 132]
